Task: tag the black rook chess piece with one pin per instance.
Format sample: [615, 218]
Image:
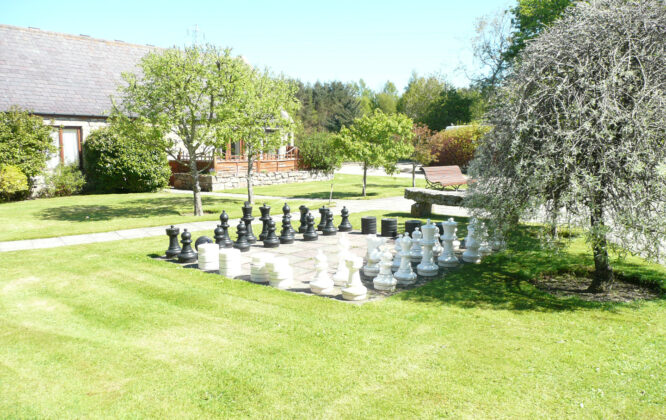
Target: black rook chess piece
[265, 217]
[202, 240]
[271, 240]
[304, 223]
[310, 232]
[286, 236]
[247, 218]
[241, 242]
[174, 247]
[322, 218]
[287, 212]
[187, 254]
[224, 241]
[329, 229]
[345, 226]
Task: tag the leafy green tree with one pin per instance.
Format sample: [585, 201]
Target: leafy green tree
[580, 127]
[387, 99]
[424, 142]
[328, 106]
[377, 140]
[453, 106]
[421, 93]
[366, 98]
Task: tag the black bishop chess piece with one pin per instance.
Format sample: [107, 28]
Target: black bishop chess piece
[202, 240]
[286, 211]
[223, 241]
[329, 229]
[286, 236]
[304, 223]
[265, 217]
[174, 246]
[247, 218]
[310, 232]
[241, 242]
[345, 226]
[322, 218]
[187, 254]
[271, 240]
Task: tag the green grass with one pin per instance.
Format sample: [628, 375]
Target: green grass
[46, 218]
[103, 330]
[344, 187]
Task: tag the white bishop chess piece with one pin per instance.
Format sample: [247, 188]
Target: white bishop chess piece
[415, 252]
[398, 254]
[322, 283]
[447, 258]
[385, 280]
[471, 254]
[427, 267]
[342, 274]
[354, 289]
[371, 268]
[405, 275]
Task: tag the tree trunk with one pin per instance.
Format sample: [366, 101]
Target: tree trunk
[365, 176]
[413, 174]
[603, 272]
[250, 193]
[196, 188]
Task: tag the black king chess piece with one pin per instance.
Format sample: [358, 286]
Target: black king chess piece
[286, 236]
[174, 247]
[265, 217]
[310, 232]
[241, 242]
[223, 240]
[247, 218]
[322, 218]
[187, 254]
[345, 226]
[271, 240]
[287, 212]
[329, 229]
[304, 223]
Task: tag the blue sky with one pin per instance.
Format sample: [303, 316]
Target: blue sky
[326, 40]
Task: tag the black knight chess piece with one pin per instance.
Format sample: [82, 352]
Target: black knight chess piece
[241, 242]
[224, 241]
[345, 226]
[174, 247]
[329, 229]
[310, 232]
[304, 223]
[265, 217]
[322, 218]
[286, 236]
[247, 218]
[187, 254]
[271, 240]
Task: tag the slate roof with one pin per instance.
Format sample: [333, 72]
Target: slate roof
[59, 74]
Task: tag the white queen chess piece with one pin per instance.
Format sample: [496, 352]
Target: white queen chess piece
[398, 254]
[371, 268]
[471, 254]
[342, 274]
[427, 267]
[354, 289]
[447, 258]
[416, 252]
[322, 284]
[385, 280]
[405, 275]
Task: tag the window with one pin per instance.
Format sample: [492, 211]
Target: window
[68, 144]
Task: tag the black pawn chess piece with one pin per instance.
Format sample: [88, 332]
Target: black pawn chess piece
[247, 218]
[241, 242]
[304, 223]
[322, 218]
[345, 226]
[174, 247]
[187, 254]
[202, 240]
[220, 238]
[286, 236]
[329, 229]
[225, 241]
[287, 212]
[310, 232]
[271, 240]
[265, 217]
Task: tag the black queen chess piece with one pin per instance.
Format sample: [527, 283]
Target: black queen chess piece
[345, 226]
[286, 211]
[310, 232]
[271, 240]
[174, 246]
[322, 218]
[202, 240]
[247, 218]
[304, 223]
[329, 229]
[286, 236]
[265, 217]
[187, 254]
[224, 241]
[241, 242]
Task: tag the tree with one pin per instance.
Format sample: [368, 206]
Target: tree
[190, 98]
[366, 98]
[420, 94]
[377, 140]
[387, 99]
[490, 46]
[580, 127]
[423, 141]
[453, 106]
[328, 106]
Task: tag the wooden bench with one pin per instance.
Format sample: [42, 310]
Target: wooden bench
[438, 177]
[425, 198]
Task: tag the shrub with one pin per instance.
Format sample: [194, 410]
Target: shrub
[13, 183]
[64, 181]
[456, 146]
[318, 151]
[120, 163]
[25, 142]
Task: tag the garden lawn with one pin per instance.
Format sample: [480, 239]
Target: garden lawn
[344, 187]
[104, 330]
[51, 217]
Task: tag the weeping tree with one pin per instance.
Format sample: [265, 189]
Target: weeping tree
[579, 128]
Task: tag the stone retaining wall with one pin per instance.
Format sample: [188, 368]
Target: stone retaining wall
[222, 181]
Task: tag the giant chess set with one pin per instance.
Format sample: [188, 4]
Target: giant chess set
[331, 261]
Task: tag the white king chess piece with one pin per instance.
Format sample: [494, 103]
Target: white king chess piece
[373, 255]
[427, 267]
[342, 274]
[354, 289]
[322, 284]
[447, 258]
[384, 280]
[398, 254]
[405, 275]
[415, 252]
[471, 254]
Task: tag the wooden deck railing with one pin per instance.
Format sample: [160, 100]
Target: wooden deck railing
[265, 162]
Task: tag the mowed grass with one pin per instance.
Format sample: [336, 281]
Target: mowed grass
[46, 218]
[344, 187]
[104, 330]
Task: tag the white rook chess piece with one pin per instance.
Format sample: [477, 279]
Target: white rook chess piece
[405, 275]
[398, 254]
[258, 272]
[484, 248]
[280, 274]
[427, 267]
[385, 280]
[322, 284]
[209, 257]
[342, 274]
[230, 259]
[471, 254]
[354, 289]
[416, 253]
[447, 258]
[373, 254]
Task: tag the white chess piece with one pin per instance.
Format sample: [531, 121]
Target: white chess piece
[484, 248]
[398, 254]
[322, 283]
[209, 257]
[385, 280]
[471, 254]
[415, 252]
[371, 268]
[427, 267]
[456, 241]
[342, 274]
[405, 275]
[447, 258]
[280, 273]
[437, 248]
[230, 262]
[354, 289]
[258, 272]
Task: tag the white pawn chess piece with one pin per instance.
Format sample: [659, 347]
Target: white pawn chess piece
[427, 267]
[322, 283]
[456, 241]
[385, 280]
[497, 243]
[484, 248]
[342, 274]
[447, 258]
[209, 257]
[416, 252]
[405, 275]
[471, 254]
[437, 248]
[371, 268]
[398, 254]
[354, 289]
[280, 273]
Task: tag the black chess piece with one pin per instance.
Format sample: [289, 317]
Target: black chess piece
[221, 239]
[187, 254]
[265, 217]
[202, 240]
[241, 242]
[287, 212]
[174, 247]
[329, 229]
[310, 232]
[345, 226]
[304, 223]
[247, 218]
[322, 220]
[286, 236]
[225, 240]
[271, 240]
